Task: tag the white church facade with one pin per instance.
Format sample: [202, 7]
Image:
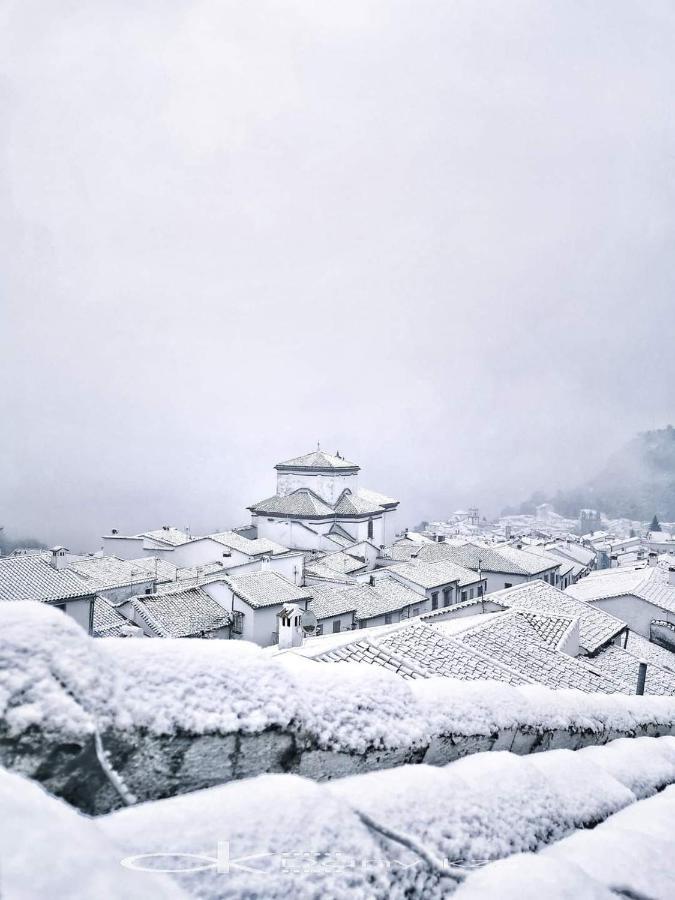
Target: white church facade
[320, 506]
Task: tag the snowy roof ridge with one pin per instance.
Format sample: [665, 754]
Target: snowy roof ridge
[317, 460]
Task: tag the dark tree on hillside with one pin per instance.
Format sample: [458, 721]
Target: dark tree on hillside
[655, 526]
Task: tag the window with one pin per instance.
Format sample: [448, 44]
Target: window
[362, 623]
[434, 600]
[387, 618]
[507, 584]
[370, 528]
[464, 596]
[480, 590]
[336, 626]
[238, 622]
[319, 628]
[471, 594]
[446, 597]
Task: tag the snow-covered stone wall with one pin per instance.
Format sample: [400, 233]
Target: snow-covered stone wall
[180, 715]
[594, 824]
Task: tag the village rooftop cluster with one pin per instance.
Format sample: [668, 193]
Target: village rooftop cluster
[321, 573]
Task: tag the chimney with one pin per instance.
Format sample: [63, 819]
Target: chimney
[265, 564]
[290, 626]
[642, 677]
[59, 559]
[671, 575]
[614, 561]
[653, 558]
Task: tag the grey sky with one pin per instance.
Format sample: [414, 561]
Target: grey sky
[438, 236]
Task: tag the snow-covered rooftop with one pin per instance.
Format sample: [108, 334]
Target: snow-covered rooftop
[266, 589]
[249, 546]
[596, 627]
[317, 460]
[648, 583]
[33, 578]
[183, 612]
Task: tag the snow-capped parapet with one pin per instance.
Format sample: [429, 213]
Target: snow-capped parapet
[281, 836]
[628, 855]
[52, 676]
[196, 713]
[55, 677]
[48, 849]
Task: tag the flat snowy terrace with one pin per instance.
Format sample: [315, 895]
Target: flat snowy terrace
[559, 824]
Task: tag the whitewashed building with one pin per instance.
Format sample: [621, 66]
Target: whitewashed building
[233, 550]
[319, 505]
[641, 597]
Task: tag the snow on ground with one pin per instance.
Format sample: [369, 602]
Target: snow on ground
[53, 675]
[48, 849]
[282, 836]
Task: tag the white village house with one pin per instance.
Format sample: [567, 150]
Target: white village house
[642, 597]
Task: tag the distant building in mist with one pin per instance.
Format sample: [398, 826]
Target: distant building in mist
[590, 520]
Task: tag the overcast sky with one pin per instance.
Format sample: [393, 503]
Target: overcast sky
[437, 236]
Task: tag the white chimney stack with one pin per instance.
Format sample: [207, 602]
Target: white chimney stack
[290, 627]
[59, 558]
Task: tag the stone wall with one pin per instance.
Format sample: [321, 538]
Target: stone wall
[155, 766]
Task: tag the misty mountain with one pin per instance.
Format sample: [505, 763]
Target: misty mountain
[637, 482]
[9, 544]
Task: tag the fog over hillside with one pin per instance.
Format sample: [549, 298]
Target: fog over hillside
[637, 482]
[437, 237]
